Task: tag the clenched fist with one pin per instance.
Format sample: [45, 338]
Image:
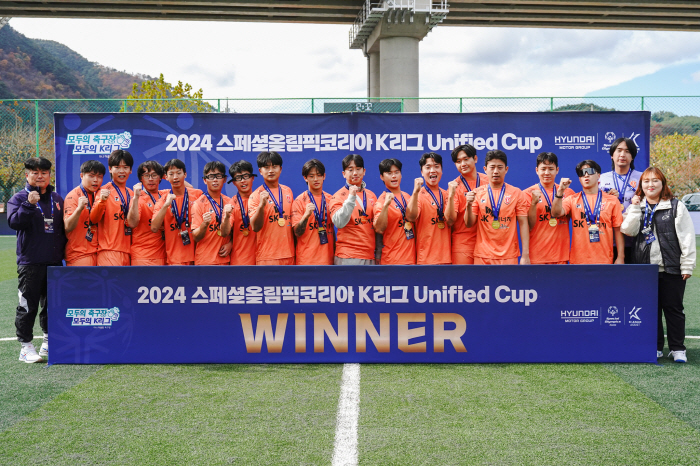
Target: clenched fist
[452, 187]
[636, 200]
[171, 197]
[536, 196]
[82, 202]
[353, 190]
[309, 210]
[207, 217]
[228, 208]
[388, 198]
[471, 195]
[104, 194]
[417, 184]
[33, 197]
[264, 196]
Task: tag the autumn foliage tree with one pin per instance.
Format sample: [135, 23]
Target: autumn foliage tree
[160, 96]
[17, 144]
[678, 157]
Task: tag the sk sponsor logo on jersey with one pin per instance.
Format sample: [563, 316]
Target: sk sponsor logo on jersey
[98, 318]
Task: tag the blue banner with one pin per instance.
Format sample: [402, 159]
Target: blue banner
[403, 314]
[197, 138]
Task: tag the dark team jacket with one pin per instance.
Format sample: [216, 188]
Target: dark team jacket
[34, 245]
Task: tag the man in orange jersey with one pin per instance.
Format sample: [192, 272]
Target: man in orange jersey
[173, 213]
[81, 248]
[270, 210]
[110, 212]
[463, 238]
[243, 243]
[496, 209]
[352, 212]
[436, 213]
[314, 237]
[394, 216]
[211, 219]
[596, 218]
[147, 247]
[549, 237]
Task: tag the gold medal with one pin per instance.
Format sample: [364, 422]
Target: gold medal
[496, 224]
[218, 232]
[441, 225]
[281, 222]
[552, 222]
[407, 226]
[245, 232]
[321, 229]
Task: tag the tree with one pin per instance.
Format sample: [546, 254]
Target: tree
[583, 107]
[17, 144]
[678, 157]
[160, 96]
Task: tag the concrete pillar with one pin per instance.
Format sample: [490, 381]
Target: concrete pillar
[398, 69]
[374, 74]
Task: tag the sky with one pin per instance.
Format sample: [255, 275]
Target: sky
[258, 60]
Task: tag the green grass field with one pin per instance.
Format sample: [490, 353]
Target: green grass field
[591, 414]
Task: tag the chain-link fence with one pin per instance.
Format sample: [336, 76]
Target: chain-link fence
[26, 126]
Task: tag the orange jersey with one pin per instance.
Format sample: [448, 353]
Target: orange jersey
[501, 243]
[145, 244]
[273, 241]
[77, 245]
[207, 249]
[356, 240]
[396, 250]
[175, 251]
[548, 243]
[111, 220]
[310, 251]
[463, 238]
[244, 247]
[582, 250]
[432, 242]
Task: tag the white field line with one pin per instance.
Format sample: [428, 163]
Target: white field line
[345, 450]
[15, 338]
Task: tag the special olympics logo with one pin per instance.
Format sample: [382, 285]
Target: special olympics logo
[612, 310]
[610, 136]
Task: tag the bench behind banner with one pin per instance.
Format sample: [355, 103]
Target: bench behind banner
[335, 314]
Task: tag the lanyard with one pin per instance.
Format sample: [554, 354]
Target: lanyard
[183, 216]
[39, 206]
[625, 181]
[441, 205]
[466, 185]
[364, 200]
[546, 196]
[125, 205]
[153, 198]
[244, 214]
[218, 208]
[278, 205]
[497, 208]
[89, 204]
[403, 207]
[320, 216]
[592, 218]
[649, 215]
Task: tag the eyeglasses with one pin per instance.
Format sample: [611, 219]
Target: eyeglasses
[217, 176]
[588, 171]
[150, 176]
[244, 177]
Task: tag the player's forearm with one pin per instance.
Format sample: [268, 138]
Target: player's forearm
[343, 215]
[382, 221]
[524, 236]
[300, 228]
[450, 212]
[157, 220]
[98, 210]
[134, 216]
[225, 226]
[532, 216]
[557, 208]
[469, 217]
[199, 232]
[256, 220]
[72, 221]
[412, 208]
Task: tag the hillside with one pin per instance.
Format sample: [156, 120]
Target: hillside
[31, 68]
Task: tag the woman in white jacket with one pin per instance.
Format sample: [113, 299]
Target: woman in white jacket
[663, 234]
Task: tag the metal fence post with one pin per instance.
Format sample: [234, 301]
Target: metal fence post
[402, 110]
[551, 104]
[642, 102]
[36, 125]
[125, 107]
[460, 105]
[312, 105]
[218, 105]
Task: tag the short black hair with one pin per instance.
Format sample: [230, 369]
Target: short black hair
[175, 163]
[269, 158]
[386, 164]
[496, 155]
[430, 155]
[93, 166]
[590, 163]
[357, 158]
[116, 157]
[313, 163]
[466, 148]
[147, 166]
[549, 157]
[214, 165]
[240, 167]
[37, 163]
[631, 146]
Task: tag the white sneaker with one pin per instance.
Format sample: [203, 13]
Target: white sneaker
[659, 354]
[28, 354]
[44, 350]
[678, 356]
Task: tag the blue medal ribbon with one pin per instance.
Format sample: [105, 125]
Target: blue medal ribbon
[466, 185]
[403, 207]
[152, 198]
[625, 181]
[441, 205]
[594, 217]
[320, 215]
[183, 216]
[278, 205]
[649, 215]
[364, 201]
[244, 214]
[39, 206]
[496, 208]
[218, 208]
[546, 196]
